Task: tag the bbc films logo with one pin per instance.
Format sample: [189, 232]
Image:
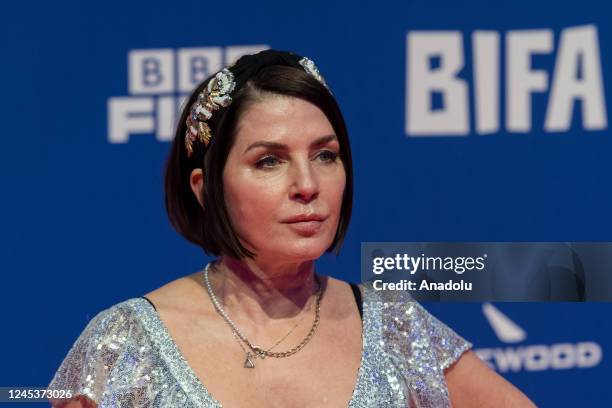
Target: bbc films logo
[159, 81]
[533, 357]
[437, 97]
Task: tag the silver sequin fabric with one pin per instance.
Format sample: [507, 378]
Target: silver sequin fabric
[125, 357]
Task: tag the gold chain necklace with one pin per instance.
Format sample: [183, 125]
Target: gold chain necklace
[257, 351]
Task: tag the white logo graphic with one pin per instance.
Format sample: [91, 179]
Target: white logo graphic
[537, 357]
[505, 329]
[435, 59]
[159, 80]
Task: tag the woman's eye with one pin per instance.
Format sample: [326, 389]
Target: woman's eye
[325, 156]
[328, 156]
[268, 161]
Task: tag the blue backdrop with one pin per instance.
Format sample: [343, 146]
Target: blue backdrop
[469, 121]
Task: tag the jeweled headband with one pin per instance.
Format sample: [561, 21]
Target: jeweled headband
[217, 94]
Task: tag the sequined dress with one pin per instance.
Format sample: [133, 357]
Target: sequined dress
[125, 357]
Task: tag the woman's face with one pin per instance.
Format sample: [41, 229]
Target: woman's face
[284, 180]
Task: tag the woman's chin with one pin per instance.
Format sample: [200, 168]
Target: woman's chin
[301, 251]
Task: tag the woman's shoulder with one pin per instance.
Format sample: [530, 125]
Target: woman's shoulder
[116, 320]
[406, 322]
[181, 295]
[113, 321]
[96, 352]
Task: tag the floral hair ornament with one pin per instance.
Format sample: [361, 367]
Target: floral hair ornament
[217, 94]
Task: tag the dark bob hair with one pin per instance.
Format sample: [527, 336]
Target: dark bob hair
[210, 227]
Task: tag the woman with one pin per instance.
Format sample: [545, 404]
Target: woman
[260, 175]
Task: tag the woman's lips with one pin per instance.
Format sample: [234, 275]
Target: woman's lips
[306, 228]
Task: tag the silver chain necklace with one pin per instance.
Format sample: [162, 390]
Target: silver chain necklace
[256, 351]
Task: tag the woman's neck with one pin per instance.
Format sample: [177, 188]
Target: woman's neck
[263, 293]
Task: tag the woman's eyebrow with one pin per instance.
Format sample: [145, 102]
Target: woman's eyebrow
[279, 146]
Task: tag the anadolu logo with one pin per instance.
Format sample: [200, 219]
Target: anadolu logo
[159, 80]
[535, 357]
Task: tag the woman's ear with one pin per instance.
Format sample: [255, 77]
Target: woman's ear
[196, 181]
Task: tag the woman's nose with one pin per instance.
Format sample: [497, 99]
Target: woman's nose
[304, 183]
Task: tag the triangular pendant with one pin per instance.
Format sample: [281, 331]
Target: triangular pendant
[248, 363]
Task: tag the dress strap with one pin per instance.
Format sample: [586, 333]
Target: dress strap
[148, 300]
[357, 294]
